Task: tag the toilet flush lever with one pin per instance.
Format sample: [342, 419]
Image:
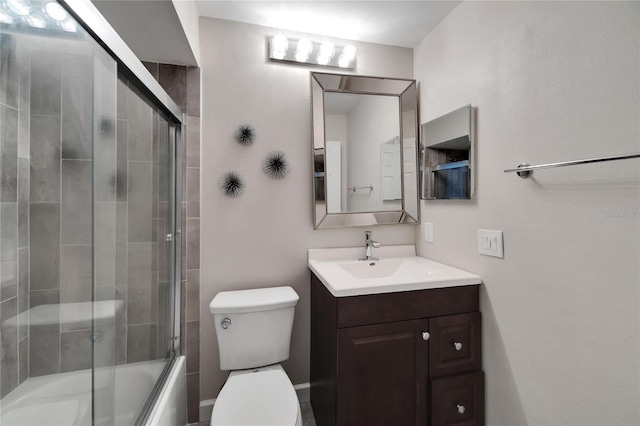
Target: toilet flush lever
[225, 323]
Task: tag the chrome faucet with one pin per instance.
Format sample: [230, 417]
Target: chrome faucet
[369, 246]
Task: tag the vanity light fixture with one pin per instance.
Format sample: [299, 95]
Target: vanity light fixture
[312, 53]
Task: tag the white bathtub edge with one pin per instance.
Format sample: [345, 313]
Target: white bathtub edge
[206, 406]
[171, 406]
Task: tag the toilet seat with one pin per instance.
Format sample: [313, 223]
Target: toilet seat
[263, 396]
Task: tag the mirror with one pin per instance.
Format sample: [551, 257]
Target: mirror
[364, 150]
[447, 156]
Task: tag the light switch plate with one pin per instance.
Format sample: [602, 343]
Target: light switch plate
[490, 243]
[428, 232]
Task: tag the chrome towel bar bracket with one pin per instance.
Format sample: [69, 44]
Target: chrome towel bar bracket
[524, 170]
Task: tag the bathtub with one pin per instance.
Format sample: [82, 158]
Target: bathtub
[65, 399]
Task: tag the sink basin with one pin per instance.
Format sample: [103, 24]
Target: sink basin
[372, 269]
[399, 269]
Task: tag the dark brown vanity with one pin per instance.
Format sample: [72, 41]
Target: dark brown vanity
[396, 359]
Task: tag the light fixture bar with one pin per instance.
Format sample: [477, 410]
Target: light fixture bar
[305, 51]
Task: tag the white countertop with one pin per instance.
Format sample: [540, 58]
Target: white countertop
[399, 269]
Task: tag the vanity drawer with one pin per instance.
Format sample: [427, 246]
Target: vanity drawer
[454, 345]
[408, 305]
[458, 400]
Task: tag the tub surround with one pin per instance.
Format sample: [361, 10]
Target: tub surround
[183, 85]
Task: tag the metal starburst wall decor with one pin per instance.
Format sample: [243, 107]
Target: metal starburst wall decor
[275, 165]
[231, 184]
[245, 134]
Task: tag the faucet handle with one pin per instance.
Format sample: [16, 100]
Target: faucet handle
[375, 244]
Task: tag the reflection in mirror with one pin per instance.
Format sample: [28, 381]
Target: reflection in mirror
[362, 153]
[448, 152]
[365, 154]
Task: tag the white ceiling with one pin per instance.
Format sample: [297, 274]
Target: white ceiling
[396, 23]
[154, 32]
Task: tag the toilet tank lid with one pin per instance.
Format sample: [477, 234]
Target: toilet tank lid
[255, 300]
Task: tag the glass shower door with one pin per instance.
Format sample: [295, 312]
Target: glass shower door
[86, 206]
[144, 252]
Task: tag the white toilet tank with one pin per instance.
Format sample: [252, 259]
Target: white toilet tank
[253, 326]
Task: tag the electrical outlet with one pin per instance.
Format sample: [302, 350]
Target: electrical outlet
[428, 232]
[490, 243]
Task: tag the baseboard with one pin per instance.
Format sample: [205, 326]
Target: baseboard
[206, 406]
[303, 391]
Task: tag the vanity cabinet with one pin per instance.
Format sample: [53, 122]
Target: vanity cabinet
[406, 358]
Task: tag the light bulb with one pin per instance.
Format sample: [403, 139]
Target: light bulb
[69, 26]
[327, 49]
[322, 60]
[303, 49]
[36, 21]
[343, 63]
[349, 52]
[5, 18]
[348, 55]
[19, 7]
[55, 11]
[279, 46]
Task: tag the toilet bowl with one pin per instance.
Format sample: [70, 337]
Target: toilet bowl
[257, 397]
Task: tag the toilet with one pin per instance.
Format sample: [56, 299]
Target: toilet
[254, 334]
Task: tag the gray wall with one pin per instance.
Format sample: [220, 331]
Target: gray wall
[551, 81]
[260, 239]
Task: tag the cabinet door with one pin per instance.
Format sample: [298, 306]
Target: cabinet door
[455, 345]
[382, 375]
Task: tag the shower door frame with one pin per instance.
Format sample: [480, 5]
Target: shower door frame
[86, 14]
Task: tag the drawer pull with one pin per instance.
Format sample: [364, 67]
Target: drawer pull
[458, 347]
[425, 335]
[461, 409]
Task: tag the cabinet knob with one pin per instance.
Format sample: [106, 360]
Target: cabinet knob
[425, 335]
[458, 347]
[461, 409]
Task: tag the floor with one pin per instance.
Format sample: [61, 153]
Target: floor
[307, 416]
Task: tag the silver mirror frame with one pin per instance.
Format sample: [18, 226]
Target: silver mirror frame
[407, 94]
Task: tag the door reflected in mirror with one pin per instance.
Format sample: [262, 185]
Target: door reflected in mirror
[362, 153]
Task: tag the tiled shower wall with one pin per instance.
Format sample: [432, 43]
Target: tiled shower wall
[183, 85]
[141, 220]
[14, 200]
